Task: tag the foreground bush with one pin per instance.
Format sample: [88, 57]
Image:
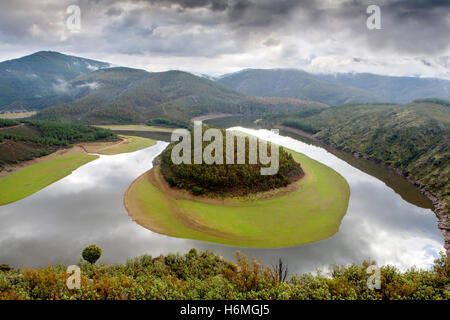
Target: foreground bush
[91, 253]
[208, 276]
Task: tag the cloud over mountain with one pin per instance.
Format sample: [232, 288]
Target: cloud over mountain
[219, 36]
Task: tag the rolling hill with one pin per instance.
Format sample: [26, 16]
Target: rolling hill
[413, 138]
[289, 83]
[38, 80]
[393, 89]
[335, 89]
[124, 95]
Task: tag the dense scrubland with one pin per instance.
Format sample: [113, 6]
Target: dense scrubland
[229, 179]
[26, 140]
[8, 123]
[414, 138]
[124, 95]
[206, 275]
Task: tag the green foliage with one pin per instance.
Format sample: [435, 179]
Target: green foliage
[295, 84]
[124, 95]
[37, 80]
[59, 134]
[392, 88]
[164, 122]
[8, 122]
[4, 267]
[297, 124]
[91, 253]
[414, 138]
[38, 138]
[434, 100]
[220, 179]
[204, 275]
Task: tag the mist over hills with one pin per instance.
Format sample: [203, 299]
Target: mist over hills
[290, 83]
[37, 80]
[393, 89]
[121, 95]
[77, 89]
[335, 89]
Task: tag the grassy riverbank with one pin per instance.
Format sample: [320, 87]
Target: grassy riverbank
[39, 173]
[24, 182]
[127, 145]
[308, 210]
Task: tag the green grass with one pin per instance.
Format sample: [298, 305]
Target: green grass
[25, 182]
[310, 213]
[133, 144]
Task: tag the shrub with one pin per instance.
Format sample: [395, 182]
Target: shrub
[91, 253]
[205, 275]
[197, 190]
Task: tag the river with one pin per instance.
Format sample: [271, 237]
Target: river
[56, 223]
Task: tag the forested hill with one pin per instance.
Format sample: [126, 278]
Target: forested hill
[38, 80]
[290, 83]
[26, 140]
[124, 95]
[335, 89]
[414, 137]
[393, 89]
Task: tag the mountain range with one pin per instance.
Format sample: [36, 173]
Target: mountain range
[77, 89]
[38, 80]
[335, 89]
[125, 95]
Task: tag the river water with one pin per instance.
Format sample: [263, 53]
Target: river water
[56, 223]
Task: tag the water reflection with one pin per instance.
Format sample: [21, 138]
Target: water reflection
[86, 207]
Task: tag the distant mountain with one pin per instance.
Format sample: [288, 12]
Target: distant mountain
[38, 80]
[124, 95]
[335, 89]
[393, 89]
[289, 83]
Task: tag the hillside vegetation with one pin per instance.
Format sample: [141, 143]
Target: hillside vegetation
[206, 276]
[32, 139]
[124, 95]
[335, 89]
[226, 179]
[393, 89]
[38, 80]
[290, 83]
[414, 137]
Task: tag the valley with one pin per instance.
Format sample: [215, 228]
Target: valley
[92, 154]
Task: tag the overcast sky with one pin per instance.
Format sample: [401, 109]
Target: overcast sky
[216, 37]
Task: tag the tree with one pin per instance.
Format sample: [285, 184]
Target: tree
[91, 253]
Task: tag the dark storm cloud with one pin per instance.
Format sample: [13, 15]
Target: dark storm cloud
[114, 12]
[214, 5]
[211, 28]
